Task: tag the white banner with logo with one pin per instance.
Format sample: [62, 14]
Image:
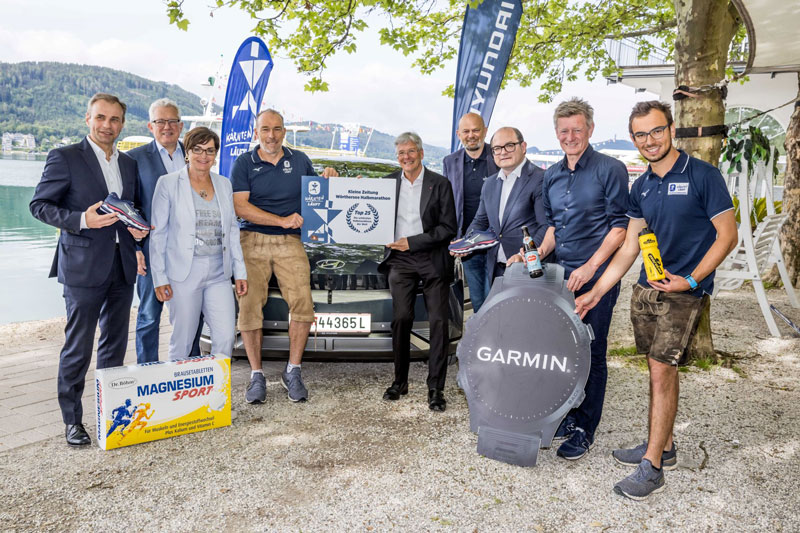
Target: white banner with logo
[348, 210]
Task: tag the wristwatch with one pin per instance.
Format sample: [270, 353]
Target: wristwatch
[524, 360]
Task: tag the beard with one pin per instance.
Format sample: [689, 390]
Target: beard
[667, 149]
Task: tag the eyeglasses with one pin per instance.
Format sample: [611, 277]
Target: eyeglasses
[412, 152]
[508, 147]
[196, 150]
[164, 122]
[655, 133]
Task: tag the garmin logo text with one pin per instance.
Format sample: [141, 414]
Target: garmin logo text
[500, 33]
[515, 357]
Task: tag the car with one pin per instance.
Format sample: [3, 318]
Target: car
[352, 302]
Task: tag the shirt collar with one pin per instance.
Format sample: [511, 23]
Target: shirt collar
[517, 172]
[481, 157]
[680, 166]
[100, 153]
[419, 178]
[161, 149]
[582, 161]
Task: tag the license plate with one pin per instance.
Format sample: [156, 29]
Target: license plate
[341, 323]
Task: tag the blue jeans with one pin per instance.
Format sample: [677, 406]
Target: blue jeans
[149, 317]
[587, 415]
[477, 278]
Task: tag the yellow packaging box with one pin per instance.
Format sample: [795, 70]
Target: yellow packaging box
[152, 401]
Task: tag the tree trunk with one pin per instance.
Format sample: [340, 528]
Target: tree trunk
[790, 233]
[705, 29]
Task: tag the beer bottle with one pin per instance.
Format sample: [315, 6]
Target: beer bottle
[653, 266]
[531, 255]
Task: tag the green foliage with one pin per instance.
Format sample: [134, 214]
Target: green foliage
[748, 143]
[759, 211]
[622, 351]
[558, 40]
[49, 99]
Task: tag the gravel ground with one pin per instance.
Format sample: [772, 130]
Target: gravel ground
[348, 461]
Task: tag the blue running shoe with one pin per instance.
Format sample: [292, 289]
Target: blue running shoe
[474, 240]
[125, 211]
[576, 446]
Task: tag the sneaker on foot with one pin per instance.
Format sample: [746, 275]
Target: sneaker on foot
[634, 456]
[257, 389]
[644, 481]
[576, 446]
[565, 429]
[293, 383]
[474, 240]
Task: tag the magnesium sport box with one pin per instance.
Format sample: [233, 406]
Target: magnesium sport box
[151, 401]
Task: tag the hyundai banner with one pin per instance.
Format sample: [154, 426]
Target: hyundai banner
[487, 38]
[246, 85]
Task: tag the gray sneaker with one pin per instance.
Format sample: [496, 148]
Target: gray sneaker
[634, 456]
[644, 481]
[293, 383]
[256, 390]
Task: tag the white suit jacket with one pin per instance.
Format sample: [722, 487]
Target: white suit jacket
[173, 239]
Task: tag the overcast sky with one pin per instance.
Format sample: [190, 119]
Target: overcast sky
[376, 86]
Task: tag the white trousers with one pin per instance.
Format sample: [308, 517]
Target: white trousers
[206, 289]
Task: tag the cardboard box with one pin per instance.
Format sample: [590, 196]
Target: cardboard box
[152, 401]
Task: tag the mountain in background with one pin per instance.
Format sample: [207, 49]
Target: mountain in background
[610, 144]
[49, 99]
[381, 145]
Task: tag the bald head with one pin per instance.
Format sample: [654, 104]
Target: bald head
[472, 133]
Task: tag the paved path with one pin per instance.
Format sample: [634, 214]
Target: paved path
[28, 401]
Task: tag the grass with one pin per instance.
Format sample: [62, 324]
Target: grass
[720, 359]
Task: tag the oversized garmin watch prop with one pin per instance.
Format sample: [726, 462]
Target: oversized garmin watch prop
[523, 363]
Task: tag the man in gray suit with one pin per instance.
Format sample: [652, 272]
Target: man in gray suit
[510, 199]
[163, 155]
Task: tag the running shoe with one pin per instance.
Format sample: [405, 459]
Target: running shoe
[474, 240]
[125, 211]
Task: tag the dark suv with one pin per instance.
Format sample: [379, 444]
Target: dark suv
[351, 299]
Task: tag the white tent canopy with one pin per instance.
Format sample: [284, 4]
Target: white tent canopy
[772, 34]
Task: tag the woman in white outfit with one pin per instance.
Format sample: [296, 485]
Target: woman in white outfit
[194, 248]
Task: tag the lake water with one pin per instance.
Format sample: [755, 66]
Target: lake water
[27, 248]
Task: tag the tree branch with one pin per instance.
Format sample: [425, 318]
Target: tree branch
[666, 25]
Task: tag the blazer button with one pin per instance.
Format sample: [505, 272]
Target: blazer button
[500, 236]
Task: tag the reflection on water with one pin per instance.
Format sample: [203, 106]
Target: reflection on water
[28, 246]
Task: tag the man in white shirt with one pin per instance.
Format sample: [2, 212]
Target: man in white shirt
[510, 199]
[95, 259]
[425, 224]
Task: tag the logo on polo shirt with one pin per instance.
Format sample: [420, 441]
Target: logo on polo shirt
[678, 189]
[287, 167]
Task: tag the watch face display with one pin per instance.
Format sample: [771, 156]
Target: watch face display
[524, 357]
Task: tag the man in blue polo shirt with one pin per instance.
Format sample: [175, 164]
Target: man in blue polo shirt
[267, 196]
[585, 196]
[685, 202]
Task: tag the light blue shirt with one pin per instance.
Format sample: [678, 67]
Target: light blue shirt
[172, 163]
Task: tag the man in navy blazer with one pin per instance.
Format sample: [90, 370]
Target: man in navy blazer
[95, 259]
[467, 169]
[164, 155]
[510, 199]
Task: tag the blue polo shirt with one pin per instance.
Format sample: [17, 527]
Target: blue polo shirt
[678, 208]
[475, 173]
[583, 205]
[275, 189]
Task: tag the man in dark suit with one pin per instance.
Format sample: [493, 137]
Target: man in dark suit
[510, 199]
[467, 169]
[162, 156]
[95, 259]
[425, 224]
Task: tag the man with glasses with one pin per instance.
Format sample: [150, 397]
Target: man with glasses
[163, 155]
[510, 199]
[267, 196]
[425, 223]
[585, 195]
[685, 202]
[467, 169]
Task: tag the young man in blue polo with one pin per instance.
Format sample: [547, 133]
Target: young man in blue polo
[685, 202]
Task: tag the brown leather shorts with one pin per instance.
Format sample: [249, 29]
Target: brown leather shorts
[664, 322]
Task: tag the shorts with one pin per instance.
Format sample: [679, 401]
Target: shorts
[664, 322]
[284, 256]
